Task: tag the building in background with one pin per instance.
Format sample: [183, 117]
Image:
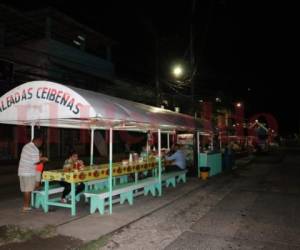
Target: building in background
[49, 45]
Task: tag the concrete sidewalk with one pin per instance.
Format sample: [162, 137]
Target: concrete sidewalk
[86, 227]
[94, 225]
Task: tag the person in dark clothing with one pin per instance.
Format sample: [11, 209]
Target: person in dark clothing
[70, 164]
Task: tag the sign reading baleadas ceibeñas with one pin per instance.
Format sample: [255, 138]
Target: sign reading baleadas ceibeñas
[55, 95]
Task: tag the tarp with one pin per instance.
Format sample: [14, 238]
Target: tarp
[51, 104]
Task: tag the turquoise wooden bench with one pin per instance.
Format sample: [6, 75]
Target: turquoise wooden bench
[124, 191]
[95, 185]
[103, 183]
[122, 179]
[171, 177]
[38, 196]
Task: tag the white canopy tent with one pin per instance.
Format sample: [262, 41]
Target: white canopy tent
[50, 104]
[56, 105]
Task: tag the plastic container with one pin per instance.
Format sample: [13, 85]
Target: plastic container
[204, 173]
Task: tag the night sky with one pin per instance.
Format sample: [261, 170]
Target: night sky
[239, 46]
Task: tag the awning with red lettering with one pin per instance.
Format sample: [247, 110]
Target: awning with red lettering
[51, 104]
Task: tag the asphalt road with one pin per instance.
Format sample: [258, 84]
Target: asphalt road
[255, 207]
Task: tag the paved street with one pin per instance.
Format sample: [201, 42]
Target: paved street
[256, 208]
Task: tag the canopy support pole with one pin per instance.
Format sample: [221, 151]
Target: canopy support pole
[32, 131]
[168, 140]
[92, 147]
[110, 168]
[159, 162]
[198, 152]
[147, 147]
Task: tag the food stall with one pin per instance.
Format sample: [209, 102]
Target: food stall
[49, 104]
[208, 156]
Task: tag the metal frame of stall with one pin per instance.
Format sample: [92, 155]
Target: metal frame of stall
[171, 121]
[73, 185]
[198, 141]
[111, 130]
[213, 159]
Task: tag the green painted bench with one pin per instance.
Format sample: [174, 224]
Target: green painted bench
[170, 177]
[38, 197]
[122, 179]
[124, 191]
[95, 185]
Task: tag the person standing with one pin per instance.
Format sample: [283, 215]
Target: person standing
[30, 156]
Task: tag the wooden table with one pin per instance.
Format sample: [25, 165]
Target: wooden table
[90, 173]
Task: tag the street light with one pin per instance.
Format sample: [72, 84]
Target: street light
[239, 105]
[218, 99]
[177, 71]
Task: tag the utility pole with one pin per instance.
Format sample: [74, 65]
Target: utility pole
[2, 36]
[158, 95]
[192, 57]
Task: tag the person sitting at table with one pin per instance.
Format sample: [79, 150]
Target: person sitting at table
[71, 163]
[177, 158]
